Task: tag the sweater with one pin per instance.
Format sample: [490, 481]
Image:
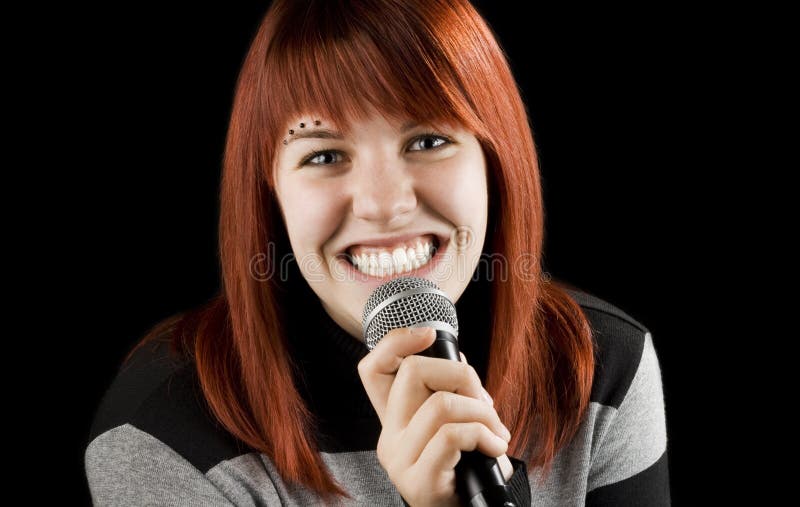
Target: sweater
[153, 440]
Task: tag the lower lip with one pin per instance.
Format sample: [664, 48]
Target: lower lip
[374, 281]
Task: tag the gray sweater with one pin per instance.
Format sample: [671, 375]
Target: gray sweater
[153, 441]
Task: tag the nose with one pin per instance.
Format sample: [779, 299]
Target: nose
[382, 192]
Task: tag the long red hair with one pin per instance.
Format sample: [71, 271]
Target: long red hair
[430, 60]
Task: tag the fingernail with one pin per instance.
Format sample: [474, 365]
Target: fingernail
[421, 331]
[487, 398]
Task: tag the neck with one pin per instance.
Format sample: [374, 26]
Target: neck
[344, 322]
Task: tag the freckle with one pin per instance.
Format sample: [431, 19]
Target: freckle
[317, 122]
[291, 131]
[302, 125]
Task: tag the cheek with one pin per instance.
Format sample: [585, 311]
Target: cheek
[458, 191]
[309, 225]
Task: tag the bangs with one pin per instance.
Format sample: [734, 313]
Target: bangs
[346, 64]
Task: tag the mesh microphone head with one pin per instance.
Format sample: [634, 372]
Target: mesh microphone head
[407, 302]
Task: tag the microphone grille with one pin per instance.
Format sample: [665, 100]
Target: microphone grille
[405, 302]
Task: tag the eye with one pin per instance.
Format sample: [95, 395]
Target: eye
[424, 142]
[428, 142]
[321, 158]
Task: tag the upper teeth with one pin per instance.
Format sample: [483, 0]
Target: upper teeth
[384, 262]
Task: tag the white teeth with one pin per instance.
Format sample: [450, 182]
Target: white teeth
[398, 261]
[399, 257]
[386, 264]
[385, 260]
[422, 251]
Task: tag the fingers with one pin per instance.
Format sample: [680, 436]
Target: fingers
[443, 408]
[431, 410]
[444, 449]
[486, 396]
[418, 377]
[378, 368]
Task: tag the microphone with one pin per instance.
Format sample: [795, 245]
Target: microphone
[416, 302]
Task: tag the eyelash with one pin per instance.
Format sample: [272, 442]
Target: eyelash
[314, 154]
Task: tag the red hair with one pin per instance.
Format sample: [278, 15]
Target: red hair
[430, 60]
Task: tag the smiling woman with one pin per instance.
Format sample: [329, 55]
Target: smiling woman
[370, 140]
[387, 196]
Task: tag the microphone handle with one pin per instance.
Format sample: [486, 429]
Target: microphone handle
[479, 480]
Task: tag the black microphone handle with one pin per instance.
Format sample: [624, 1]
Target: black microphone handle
[479, 479]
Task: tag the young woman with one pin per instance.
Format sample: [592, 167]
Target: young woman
[368, 140]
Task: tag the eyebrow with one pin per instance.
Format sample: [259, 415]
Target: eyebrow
[333, 134]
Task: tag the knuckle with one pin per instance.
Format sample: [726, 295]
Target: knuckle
[409, 366]
[444, 402]
[484, 431]
[469, 376]
[452, 433]
[368, 362]
[475, 375]
[478, 431]
[363, 366]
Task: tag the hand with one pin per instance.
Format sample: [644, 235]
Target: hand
[430, 409]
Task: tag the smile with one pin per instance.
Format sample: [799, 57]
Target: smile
[397, 259]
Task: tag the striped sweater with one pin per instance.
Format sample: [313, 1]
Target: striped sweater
[153, 441]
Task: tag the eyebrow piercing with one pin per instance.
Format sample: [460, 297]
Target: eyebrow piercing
[302, 126]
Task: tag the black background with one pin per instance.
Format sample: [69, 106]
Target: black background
[615, 98]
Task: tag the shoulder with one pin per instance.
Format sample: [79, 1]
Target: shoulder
[621, 345]
[628, 438]
[156, 398]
